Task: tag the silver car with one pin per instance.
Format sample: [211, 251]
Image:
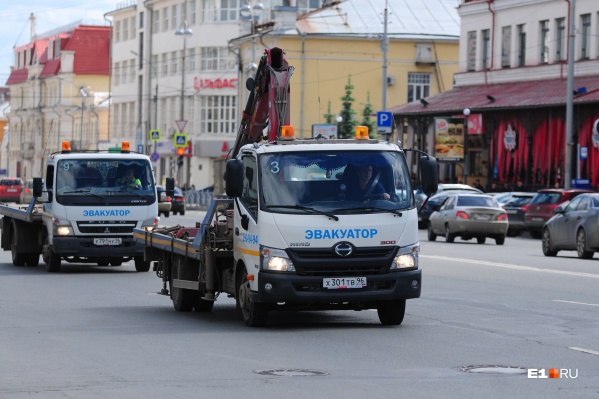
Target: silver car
[574, 227]
[469, 216]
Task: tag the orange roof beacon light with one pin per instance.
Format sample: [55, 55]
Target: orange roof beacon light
[180, 151]
[362, 133]
[287, 132]
[125, 147]
[66, 146]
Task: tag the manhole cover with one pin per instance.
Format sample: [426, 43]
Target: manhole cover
[494, 369]
[291, 373]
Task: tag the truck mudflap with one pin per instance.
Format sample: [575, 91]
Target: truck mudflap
[309, 290]
[84, 246]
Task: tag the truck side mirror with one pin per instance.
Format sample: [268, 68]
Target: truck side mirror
[234, 178]
[429, 176]
[37, 187]
[170, 187]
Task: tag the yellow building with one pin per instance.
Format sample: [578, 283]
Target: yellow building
[343, 41]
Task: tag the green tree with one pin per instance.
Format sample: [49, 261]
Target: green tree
[348, 124]
[366, 118]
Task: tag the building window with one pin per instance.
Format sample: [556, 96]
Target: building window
[165, 19]
[125, 72]
[586, 36]
[560, 39]
[419, 85]
[218, 114]
[132, 70]
[175, 17]
[192, 59]
[304, 6]
[133, 27]
[217, 59]
[506, 46]
[544, 56]
[220, 10]
[486, 35]
[471, 48]
[117, 73]
[125, 29]
[164, 64]
[192, 12]
[156, 22]
[141, 20]
[174, 62]
[521, 45]
[117, 31]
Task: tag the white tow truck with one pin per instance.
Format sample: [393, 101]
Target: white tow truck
[291, 234]
[83, 214]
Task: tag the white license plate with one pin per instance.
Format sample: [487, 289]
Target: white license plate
[107, 241]
[511, 211]
[12, 190]
[341, 283]
[537, 219]
[482, 217]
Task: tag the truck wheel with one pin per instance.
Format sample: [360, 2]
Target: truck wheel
[481, 240]
[141, 265]
[32, 259]
[202, 305]
[254, 314]
[17, 258]
[53, 263]
[391, 312]
[183, 300]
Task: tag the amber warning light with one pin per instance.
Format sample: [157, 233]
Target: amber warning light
[66, 146]
[125, 147]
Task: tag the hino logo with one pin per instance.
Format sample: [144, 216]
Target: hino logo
[344, 249]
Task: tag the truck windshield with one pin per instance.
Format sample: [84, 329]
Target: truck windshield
[113, 181]
[335, 181]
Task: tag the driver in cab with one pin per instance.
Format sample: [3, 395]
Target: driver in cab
[129, 179]
[366, 188]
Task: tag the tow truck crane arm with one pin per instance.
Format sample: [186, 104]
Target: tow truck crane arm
[268, 102]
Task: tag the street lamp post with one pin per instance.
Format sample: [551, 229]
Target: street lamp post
[250, 11]
[83, 93]
[466, 156]
[183, 31]
[149, 107]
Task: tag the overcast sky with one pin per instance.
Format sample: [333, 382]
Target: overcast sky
[16, 27]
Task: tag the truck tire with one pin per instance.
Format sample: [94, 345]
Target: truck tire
[254, 314]
[141, 265]
[202, 305]
[18, 259]
[391, 312]
[32, 259]
[183, 300]
[53, 263]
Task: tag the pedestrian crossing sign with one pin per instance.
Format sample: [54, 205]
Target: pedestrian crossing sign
[180, 140]
[154, 135]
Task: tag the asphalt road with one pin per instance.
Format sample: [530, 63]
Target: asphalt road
[93, 332]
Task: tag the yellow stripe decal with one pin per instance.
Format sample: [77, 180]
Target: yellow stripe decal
[248, 251]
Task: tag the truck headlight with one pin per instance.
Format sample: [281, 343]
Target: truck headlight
[150, 224]
[275, 260]
[407, 258]
[61, 227]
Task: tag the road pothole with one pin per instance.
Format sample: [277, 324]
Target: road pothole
[491, 369]
[292, 373]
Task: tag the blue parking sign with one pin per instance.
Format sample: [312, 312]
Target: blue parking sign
[384, 122]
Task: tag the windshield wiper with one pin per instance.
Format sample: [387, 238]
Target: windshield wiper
[369, 208]
[86, 192]
[307, 209]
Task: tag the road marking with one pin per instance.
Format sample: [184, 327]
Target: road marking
[584, 350]
[577, 303]
[510, 266]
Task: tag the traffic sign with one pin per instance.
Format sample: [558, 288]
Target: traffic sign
[181, 123]
[154, 157]
[384, 122]
[154, 135]
[140, 148]
[180, 139]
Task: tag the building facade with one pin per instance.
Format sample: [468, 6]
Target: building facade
[59, 90]
[513, 83]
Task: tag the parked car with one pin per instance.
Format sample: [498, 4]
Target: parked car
[515, 208]
[164, 202]
[437, 199]
[540, 209]
[178, 202]
[573, 227]
[469, 216]
[27, 192]
[10, 189]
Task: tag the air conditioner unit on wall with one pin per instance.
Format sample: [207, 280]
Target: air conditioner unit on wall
[390, 80]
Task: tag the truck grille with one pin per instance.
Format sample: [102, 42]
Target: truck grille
[106, 227]
[325, 262]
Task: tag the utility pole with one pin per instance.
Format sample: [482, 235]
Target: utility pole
[570, 98]
[385, 48]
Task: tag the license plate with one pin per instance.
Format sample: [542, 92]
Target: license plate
[107, 241]
[511, 211]
[12, 190]
[482, 217]
[342, 283]
[537, 219]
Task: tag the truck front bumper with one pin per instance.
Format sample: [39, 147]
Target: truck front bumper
[84, 247]
[307, 290]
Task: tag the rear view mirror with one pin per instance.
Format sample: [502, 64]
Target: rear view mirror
[170, 187]
[561, 208]
[37, 187]
[429, 175]
[234, 178]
